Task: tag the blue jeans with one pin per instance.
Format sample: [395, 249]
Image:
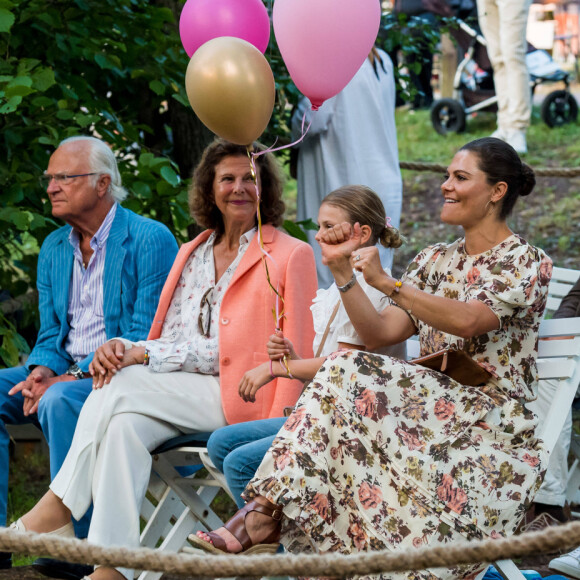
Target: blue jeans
[237, 451]
[58, 413]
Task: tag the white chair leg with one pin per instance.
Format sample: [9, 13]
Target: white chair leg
[509, 570]
[175, 539]
[169, 508]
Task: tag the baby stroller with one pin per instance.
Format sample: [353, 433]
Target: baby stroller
[474, 91]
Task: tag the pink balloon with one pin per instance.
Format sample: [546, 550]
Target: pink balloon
[204, 20]
[325, 42]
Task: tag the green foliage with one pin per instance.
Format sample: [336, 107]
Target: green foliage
[11, 343]
[111, 68]
[412, 37]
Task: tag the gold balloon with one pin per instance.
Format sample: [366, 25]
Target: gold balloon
[230, 86]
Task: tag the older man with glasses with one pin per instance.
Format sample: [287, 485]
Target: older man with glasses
[100, 276]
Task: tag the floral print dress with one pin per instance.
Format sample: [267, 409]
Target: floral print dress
[382, 454]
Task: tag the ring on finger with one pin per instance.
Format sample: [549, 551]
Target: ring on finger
[357, 258]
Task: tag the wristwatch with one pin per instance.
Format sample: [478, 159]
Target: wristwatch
[75, 371]
[348, 285]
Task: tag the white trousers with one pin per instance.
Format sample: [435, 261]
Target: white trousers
[503, 23]
[109, 462]
[553, 489]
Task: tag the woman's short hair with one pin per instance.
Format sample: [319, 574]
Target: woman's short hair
[102, 161]
[201, 197]
[364, 206]
[500, 162]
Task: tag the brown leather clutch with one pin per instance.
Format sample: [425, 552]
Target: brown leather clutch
[456, 364]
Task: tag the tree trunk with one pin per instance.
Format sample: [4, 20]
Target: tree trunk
[190, 136]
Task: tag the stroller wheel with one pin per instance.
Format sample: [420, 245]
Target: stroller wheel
[559, 108]
[447, 116]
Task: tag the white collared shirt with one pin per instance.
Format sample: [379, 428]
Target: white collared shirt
[86, 316]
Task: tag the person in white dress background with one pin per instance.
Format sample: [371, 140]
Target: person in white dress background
[352, 140]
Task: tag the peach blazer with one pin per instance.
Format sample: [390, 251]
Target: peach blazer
[246, 319]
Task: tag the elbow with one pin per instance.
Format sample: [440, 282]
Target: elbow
[375, 343]
[372, 346]
[469, 327]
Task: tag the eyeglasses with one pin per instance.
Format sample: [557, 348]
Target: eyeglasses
[204, 318]
[60, 178]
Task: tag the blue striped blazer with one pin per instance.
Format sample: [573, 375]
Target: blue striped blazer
[140, 252]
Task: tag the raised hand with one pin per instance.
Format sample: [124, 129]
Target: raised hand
[367, 261]
[278, 347]
[338, 243]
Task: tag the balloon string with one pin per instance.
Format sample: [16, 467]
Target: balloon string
[276, 312]
[272, 149]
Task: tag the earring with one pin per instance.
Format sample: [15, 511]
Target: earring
[487, 205]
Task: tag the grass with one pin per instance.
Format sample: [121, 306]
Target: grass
[418, 141]
[29, 479]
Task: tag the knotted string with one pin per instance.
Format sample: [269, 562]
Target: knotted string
[278, 310]
[277, 313]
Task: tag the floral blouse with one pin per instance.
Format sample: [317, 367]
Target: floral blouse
[512, 280]
[182, 346]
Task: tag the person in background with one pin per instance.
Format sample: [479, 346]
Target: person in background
[352, 139]
[570, 305]
[503, 24]
[213, 320]
[99, 276]
[237, 450]
[552, 495]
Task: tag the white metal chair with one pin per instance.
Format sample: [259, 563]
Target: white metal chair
[559, 362]
[562, 281]
[179, 501]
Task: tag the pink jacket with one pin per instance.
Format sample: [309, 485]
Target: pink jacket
[246, 319]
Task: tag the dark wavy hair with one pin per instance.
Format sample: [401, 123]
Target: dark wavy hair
[201, 197]
[500, 162]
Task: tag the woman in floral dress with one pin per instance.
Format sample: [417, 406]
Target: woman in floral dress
[381, 454]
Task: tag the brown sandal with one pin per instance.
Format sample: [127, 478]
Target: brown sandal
[237, 527]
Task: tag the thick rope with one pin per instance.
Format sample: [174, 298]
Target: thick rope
[539, 171]
[442, 555]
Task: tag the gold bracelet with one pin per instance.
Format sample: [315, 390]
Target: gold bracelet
[410, 310]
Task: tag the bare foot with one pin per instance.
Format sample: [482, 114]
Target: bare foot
[47, 515]
[258, 526]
